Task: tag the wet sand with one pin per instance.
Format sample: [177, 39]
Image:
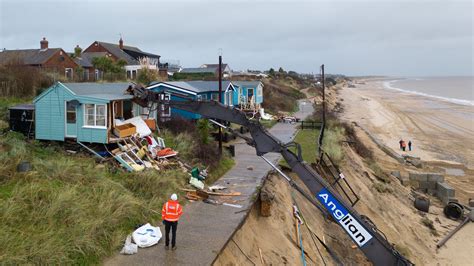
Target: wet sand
[442, 133]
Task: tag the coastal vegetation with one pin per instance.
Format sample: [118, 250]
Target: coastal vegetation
[72, 210]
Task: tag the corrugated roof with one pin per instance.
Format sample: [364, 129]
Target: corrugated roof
[250, 84]
[28, 56]
[106, 91]
[198, 86]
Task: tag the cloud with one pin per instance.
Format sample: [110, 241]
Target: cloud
[351, 37]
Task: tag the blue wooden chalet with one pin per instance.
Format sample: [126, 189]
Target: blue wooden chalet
[250, 94]
[85, 112]
[195, 90]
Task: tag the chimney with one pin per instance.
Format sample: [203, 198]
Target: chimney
[121, 43]
[77, 51]
[44, 44]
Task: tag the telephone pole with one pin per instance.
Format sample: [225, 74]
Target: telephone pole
[220, 101]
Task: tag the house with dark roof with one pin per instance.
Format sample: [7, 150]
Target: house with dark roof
[208, 69]
[49, 59]
[133, 56]
[85, 112]
[185, 90]
[225, 68]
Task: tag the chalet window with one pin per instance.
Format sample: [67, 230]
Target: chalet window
[259, 91]
[70, 113]
[95, 115]
[68, 73]
[202, 97]
[215, 96]
[97, 74]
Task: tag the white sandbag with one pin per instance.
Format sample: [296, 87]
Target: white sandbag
[265, 116]
[142, 129]
[196, 183]
[146, 236]
[129, 248]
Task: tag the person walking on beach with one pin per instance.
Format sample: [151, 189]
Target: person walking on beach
[401, 143]
[404, 145]
[409, 145]
[170, 214]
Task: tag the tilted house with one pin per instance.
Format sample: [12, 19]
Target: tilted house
[84, 112]
[250, 94]
[195, 90]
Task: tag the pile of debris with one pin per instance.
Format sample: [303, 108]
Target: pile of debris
[211, 196]
[137, 148]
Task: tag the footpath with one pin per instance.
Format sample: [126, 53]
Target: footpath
[204, 229]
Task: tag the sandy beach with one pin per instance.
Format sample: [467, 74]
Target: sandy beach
[442, 132]
[443, 137]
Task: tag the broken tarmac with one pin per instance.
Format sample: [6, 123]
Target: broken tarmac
[204, 229]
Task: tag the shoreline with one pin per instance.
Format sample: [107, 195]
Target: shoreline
[388, 85]
[442, 132]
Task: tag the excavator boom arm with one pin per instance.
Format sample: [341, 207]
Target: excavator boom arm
[376, 248]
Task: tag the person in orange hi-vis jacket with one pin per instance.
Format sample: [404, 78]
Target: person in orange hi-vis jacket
[170, 214]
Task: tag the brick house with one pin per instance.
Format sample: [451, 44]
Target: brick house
[130, 54]
[49, 59]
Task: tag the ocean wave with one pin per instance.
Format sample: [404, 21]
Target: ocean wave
[388, 85]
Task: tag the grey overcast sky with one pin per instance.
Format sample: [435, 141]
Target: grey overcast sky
[382, 37]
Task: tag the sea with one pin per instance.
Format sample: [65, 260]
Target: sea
[459, 90]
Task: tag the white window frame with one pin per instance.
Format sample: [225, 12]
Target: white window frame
[215, 96]
[66, 69]
[259, 91]
[95, 116]
[97, 74]
[202, 97]
[165, 97]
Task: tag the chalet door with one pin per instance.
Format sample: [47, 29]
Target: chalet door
[71, 119]
[250, 98]
[127, 110]
[228, 98]
[165, 109]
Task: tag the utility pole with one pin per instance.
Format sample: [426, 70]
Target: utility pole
[324, 95]
[323, 126]
[220, 100]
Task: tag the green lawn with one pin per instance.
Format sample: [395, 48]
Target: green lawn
[307, 138]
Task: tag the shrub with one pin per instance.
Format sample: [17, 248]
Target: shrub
[378, 172]
[428, 223]
[17, 80]
[178, 125]
[204, 127]
[382, 187]
[332, 143]
[356, 143]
